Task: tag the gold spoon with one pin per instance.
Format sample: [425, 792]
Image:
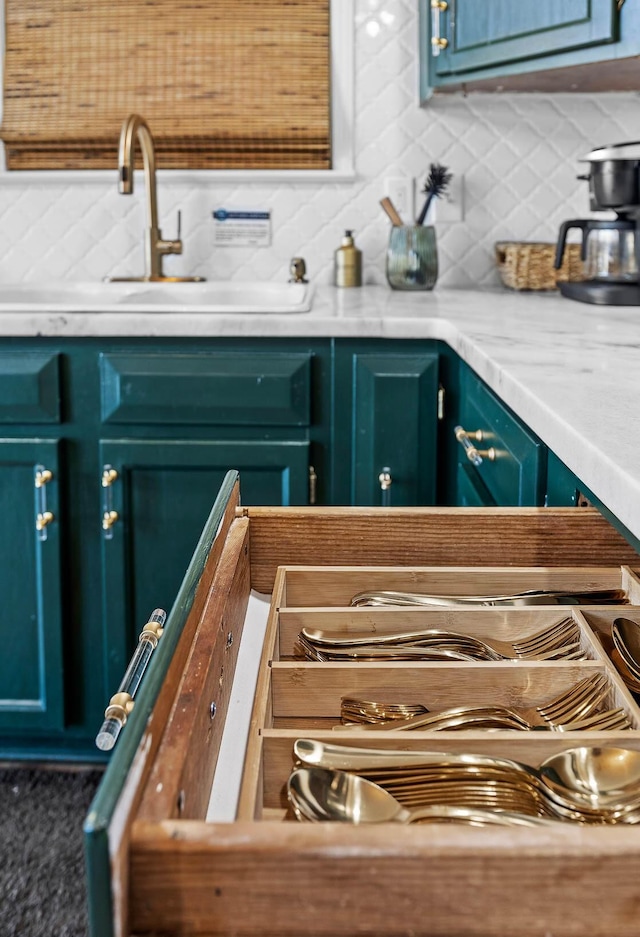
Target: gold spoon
[320, 794]
[626, 637]
[596, 778]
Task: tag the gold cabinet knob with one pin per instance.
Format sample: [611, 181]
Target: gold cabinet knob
[109, 518]
[109, 476]
[385, 479]
[43, 519]
[43, 476]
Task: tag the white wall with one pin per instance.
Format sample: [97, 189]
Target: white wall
[518, 154]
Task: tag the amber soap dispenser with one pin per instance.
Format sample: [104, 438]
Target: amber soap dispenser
[348, 262]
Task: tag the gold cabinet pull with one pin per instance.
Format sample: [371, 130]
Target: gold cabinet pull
[438, 42]
[109, 515]
[474, 455]
[41, 478]
[385, 481]
[121, 703]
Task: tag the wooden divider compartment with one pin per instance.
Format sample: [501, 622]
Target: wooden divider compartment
[296, 697]
[174, 873]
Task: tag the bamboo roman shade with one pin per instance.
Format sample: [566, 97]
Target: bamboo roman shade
[223, 84]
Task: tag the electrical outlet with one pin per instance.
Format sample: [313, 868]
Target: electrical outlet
[450, 207]
[400, 190]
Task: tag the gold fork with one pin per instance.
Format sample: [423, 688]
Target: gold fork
[544, 644]
[571, 706]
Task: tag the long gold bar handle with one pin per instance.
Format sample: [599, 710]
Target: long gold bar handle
[42, 477]
[474, 455]
[121, 703]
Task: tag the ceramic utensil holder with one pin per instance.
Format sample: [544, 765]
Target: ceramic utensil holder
[412, 258]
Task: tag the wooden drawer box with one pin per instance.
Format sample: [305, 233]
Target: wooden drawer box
[156, 866]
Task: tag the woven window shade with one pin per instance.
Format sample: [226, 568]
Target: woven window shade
[223, 84]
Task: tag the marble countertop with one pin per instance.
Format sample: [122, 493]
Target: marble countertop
[571, 371]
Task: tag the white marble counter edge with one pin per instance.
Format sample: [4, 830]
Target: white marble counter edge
[611, 471]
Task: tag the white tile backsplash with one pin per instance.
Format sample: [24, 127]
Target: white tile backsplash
[518, 153]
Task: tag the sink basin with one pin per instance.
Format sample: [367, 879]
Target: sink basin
[209, 297]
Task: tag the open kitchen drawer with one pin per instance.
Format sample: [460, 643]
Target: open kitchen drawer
[155, 866]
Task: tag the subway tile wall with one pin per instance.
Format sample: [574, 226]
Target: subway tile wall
[518, 155]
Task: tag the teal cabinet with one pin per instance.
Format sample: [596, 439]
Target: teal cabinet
[386, 423]
[138, 436]
[470, 41]
[155, 494]
[502, 458]
[31, 622]
[563, 488]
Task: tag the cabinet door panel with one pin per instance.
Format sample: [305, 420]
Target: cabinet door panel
[231, 388]
[30, 582]
[163, 491]
[394, 428]
[515, 476]
[485, 33]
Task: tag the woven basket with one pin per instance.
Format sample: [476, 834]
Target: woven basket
[529, 266]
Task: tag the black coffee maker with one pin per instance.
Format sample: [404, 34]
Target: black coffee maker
[610, 247]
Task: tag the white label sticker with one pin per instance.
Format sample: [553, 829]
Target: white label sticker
[233, 228]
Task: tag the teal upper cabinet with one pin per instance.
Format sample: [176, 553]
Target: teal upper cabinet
[479, 41]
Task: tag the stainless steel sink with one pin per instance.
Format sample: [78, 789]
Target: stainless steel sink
[207, 297]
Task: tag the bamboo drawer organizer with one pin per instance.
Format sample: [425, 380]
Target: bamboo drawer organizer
[265, 874]
[299, 698]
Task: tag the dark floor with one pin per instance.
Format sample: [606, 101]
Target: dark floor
[42, 884]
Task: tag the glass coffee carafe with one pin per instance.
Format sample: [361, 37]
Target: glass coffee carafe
[610, 260]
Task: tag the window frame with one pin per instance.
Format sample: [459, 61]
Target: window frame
[342, 128]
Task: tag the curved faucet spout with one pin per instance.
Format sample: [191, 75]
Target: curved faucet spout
[136, 128]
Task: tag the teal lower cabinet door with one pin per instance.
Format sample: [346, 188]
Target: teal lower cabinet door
[31, 667]
[472, 491]
[155, 494]
[394, 429]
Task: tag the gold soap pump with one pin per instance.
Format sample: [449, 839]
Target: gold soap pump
[348, 262]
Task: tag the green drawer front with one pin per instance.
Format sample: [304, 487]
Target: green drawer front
[236, 389]
[516, 475]
[29, 388]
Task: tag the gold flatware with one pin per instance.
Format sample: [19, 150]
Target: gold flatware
[587, 784]
[578, 703]
[529, 597]
[559, 636]
[319, 794]
[560, 641]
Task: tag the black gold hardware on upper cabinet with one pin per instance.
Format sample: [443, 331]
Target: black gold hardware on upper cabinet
[438, 42]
